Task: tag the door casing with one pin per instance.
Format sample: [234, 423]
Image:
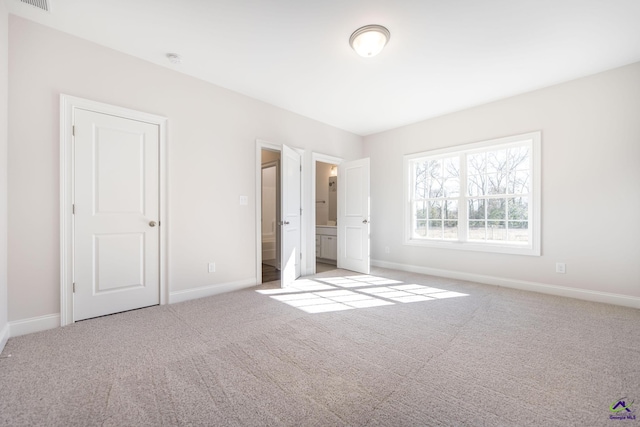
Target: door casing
[68, 105]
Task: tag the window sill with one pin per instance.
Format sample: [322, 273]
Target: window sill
[530, 250]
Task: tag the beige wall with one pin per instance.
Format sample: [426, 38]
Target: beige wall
[212, 147]
[590, 183]
[4, 34]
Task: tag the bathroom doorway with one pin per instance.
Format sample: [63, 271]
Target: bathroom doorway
[326, 214]
[271, 264]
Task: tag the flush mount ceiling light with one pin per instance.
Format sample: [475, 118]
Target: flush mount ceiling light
[174, 58]
[369, 40]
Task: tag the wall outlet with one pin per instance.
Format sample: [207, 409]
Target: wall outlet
[387, 250]
[244, 200]
[561, 267]
[212, 267]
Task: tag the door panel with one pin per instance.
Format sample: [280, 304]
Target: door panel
[354, 180]
[290, 216]
[127, 151]
[353, 216]
[116, 202]
[353, 247]
[119, 261]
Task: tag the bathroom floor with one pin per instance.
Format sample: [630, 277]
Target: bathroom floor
[321, 267]
[269, 273]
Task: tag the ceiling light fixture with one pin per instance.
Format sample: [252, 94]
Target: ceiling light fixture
[174, 58]
[369, 40]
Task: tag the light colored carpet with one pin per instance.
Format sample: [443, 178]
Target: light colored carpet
[394, 349]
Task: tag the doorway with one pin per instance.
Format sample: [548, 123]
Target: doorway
[326, 213]
[270, 218]
[288, 223]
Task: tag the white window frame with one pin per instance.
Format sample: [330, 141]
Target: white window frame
[532, 248]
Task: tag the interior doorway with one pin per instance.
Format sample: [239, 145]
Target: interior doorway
[271, 217]
[326, 213]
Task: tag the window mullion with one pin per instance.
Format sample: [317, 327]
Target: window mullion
[463, 204]
[412, 200]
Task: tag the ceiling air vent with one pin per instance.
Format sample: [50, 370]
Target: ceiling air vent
[40, 4]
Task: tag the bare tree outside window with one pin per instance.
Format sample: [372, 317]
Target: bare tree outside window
[498, 194]
[481, 194]
[435, 201]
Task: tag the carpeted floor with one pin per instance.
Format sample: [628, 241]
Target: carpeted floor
[340, 349]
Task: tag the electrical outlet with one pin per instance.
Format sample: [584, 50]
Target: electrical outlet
[387, 250]
[212, 267]
[244, 200]
[561, 267]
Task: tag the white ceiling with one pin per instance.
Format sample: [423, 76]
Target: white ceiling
[443, 56]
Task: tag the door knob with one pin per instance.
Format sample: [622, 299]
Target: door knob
[152, 223]
[285, 222]
[365, 221]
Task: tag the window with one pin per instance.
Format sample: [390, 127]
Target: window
[483, 196]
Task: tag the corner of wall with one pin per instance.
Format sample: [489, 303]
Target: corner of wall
[4, 99]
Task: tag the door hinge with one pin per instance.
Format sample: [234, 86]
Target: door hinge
[300, 255]
[300, 168]
[74, 287]
[73, 209]
[300, 211]
[73, 130]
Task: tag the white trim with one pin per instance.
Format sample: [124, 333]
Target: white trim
[532, 248]
[206, 291]
[563, 291]
[34, 324]
[303, 215]
[311, 243]
[4, 336]
[68, 105]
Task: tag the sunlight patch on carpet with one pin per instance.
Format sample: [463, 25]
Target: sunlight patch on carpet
[327, 294]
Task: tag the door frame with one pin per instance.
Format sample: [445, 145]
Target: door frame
[324, 158]
[68, 105]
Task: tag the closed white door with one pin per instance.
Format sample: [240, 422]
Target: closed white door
[116, 214]
[353, 215]
[290, 216]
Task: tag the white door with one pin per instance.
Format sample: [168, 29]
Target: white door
[353, 215]
[290, 216]
[116, 219]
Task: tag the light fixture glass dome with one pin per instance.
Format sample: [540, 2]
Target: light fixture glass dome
[369, 40]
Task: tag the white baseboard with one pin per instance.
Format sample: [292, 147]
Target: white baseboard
[206, 291]
[34, 324]
[563, 291]
[51, 321]
[4, 336]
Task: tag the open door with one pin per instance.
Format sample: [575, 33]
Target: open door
[353, 216]
[290, 216]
